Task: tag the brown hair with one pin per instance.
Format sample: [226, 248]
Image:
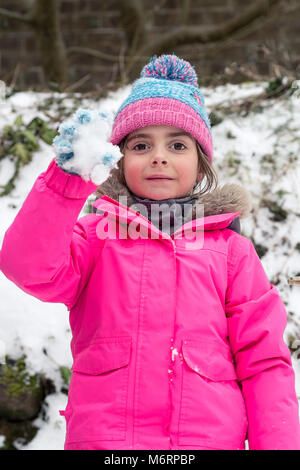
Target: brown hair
[210, 178]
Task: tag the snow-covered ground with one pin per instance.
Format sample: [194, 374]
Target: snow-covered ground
[267, 145]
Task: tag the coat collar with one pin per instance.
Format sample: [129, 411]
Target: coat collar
[218, 207]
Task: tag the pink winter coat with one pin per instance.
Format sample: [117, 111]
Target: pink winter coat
[176, 344]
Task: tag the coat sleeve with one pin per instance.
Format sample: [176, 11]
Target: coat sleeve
[46, 251]
[256, 322]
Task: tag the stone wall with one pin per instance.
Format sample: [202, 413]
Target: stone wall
[96, 24]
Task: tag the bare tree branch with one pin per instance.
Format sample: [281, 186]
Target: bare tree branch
[189, 35]
[92, 52]
[185, 35]
[15, 16]
[76, 85]
[215, 48]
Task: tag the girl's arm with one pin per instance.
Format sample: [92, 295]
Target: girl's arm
[45, 251]
[256, 322]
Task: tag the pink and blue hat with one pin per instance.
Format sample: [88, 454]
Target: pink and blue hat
[167, 93]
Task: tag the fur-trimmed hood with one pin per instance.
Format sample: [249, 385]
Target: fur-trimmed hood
[226, 199]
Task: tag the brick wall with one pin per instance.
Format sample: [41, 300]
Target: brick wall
[96, 24]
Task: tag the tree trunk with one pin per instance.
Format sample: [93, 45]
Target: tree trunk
[45, 22]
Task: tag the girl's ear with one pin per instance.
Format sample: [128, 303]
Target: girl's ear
[200, 176]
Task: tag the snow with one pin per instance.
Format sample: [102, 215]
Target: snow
[51, 434]
[231, 93]
[266, 143]
[85, 137]
[174, 353]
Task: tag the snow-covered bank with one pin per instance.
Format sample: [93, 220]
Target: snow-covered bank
[260, 151]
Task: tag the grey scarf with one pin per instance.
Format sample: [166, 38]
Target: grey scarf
[166, 214]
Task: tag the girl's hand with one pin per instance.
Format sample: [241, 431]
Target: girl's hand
[82, 146]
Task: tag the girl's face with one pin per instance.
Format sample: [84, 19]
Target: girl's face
[160, 162]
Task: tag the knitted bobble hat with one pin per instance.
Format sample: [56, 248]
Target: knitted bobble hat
[166, 93]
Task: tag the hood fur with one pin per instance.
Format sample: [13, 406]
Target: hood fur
[228, 198]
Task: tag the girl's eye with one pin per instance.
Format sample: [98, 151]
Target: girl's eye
[143, 146]
[138, 145]
[179, 143]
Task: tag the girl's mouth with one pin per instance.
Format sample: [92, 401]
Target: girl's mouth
[159, 177]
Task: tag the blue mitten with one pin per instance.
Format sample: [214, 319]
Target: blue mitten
[82, 146]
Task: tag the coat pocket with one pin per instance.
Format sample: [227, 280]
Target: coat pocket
[98, 390]
[102, 355]
[212, 410]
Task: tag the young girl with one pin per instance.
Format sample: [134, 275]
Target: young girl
[177, 332]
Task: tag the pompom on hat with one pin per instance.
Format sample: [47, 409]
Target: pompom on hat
[167, 93]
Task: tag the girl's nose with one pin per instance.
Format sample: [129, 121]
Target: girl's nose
[157, 161]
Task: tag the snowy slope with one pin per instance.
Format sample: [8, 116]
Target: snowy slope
[267, 145]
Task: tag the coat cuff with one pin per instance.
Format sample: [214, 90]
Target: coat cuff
[67, 184]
